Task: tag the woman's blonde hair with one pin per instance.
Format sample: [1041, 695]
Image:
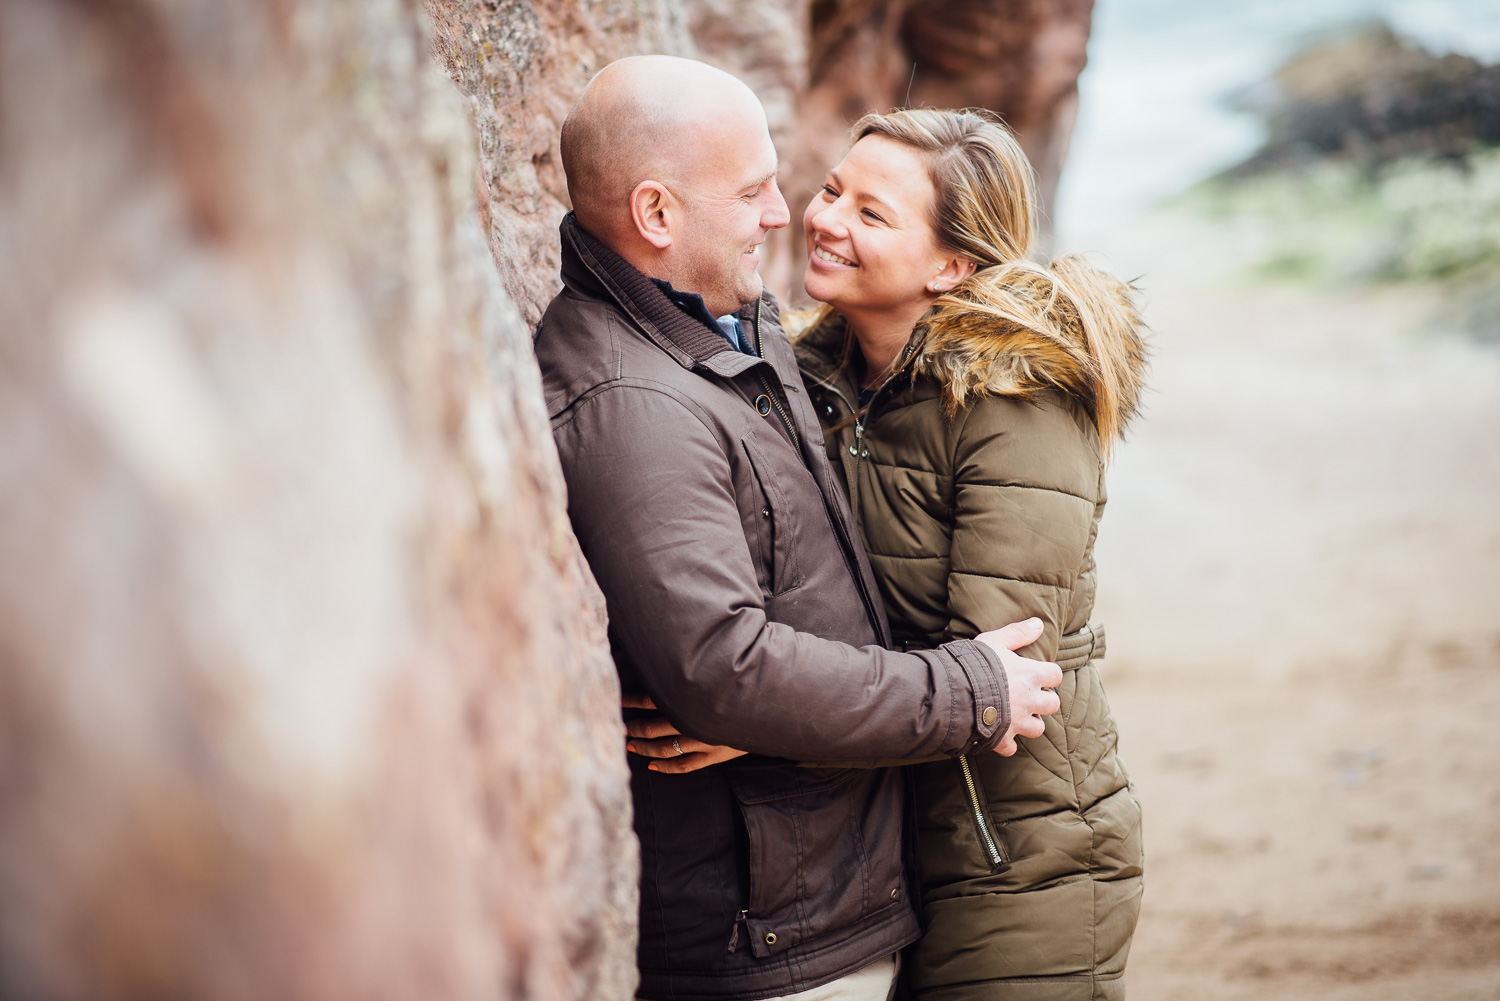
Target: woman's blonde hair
[985, 209]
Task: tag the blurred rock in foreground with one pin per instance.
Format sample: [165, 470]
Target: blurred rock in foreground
[304, 691]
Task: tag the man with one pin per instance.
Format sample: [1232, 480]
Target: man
[739, 598]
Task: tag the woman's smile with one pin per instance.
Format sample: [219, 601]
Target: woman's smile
[830, 257]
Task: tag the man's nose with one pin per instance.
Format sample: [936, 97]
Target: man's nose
[776, 214]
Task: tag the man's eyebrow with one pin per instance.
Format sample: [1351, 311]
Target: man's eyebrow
[762, 179]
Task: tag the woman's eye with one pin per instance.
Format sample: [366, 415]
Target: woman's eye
[872, 215]
[827, 190]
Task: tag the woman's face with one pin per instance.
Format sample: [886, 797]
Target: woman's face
[870, 241]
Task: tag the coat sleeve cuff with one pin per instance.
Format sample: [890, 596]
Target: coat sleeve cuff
[990, 691]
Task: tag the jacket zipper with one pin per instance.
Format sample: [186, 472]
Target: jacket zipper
[981, 822]
[734, 934]
[859, 447]
[859, 454]
[774, 396]
[848, 542]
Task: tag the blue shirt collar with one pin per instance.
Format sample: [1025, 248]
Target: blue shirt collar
[693, 305]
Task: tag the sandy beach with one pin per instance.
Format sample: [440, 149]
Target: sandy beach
[1300, 574]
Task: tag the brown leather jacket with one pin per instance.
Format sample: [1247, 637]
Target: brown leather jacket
[740, 600]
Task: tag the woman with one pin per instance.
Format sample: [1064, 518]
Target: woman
[969, 397]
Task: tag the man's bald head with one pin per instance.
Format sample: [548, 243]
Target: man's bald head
[644, 118]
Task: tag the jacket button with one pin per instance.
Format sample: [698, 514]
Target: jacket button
[763, 405]
[853, 450]
[865, 454]
[830, 410]
[770, 938]
[765, 512]
[989, 715]
[895, 893]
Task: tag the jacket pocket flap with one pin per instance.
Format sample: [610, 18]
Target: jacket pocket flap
[755, 784]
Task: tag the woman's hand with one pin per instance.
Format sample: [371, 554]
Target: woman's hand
[656, 737]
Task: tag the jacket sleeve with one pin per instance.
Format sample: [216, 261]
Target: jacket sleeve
[1026, 485]
[652, 502]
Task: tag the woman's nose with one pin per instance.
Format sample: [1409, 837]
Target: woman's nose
[829, 220]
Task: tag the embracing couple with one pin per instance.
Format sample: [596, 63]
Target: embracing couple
[806, 549]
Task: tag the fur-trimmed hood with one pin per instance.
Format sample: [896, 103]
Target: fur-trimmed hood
[971, 351]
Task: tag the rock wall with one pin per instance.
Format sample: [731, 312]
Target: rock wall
[304, 691]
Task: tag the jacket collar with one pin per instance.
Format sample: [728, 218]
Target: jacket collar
[591, 267]
[821, 354]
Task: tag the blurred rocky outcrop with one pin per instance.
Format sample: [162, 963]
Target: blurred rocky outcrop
[1373, 96]
[304, 691]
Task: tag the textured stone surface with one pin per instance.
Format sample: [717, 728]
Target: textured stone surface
[304, 691]
[522, 65]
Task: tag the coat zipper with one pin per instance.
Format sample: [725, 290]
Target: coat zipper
[981, 822]
[734, 934]
[775, 397]
[859, 447]
[859, 453]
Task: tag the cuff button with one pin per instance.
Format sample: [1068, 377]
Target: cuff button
[989, 715]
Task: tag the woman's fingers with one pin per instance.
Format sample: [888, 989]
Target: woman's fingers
[694, 760]
[651, 727]
[636, 700]
[668, 747]
[664, 747]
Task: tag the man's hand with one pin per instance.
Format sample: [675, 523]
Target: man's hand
[1030, 681]
[657, 737]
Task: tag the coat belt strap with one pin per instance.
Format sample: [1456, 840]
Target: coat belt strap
[1078, 648]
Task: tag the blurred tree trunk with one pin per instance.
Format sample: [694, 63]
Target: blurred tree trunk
[304, 688]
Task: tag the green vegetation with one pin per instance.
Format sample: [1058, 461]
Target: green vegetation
[1342, 221]
[1381, 164]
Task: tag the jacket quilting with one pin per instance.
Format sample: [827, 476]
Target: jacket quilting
[975, 516]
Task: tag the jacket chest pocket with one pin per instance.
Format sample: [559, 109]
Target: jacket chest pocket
[774, 527]
[824, 850]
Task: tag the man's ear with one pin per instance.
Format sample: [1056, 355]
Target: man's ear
[955, 269]
[653, 210]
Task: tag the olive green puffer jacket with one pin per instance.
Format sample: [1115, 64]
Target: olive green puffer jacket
[1030, 865]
